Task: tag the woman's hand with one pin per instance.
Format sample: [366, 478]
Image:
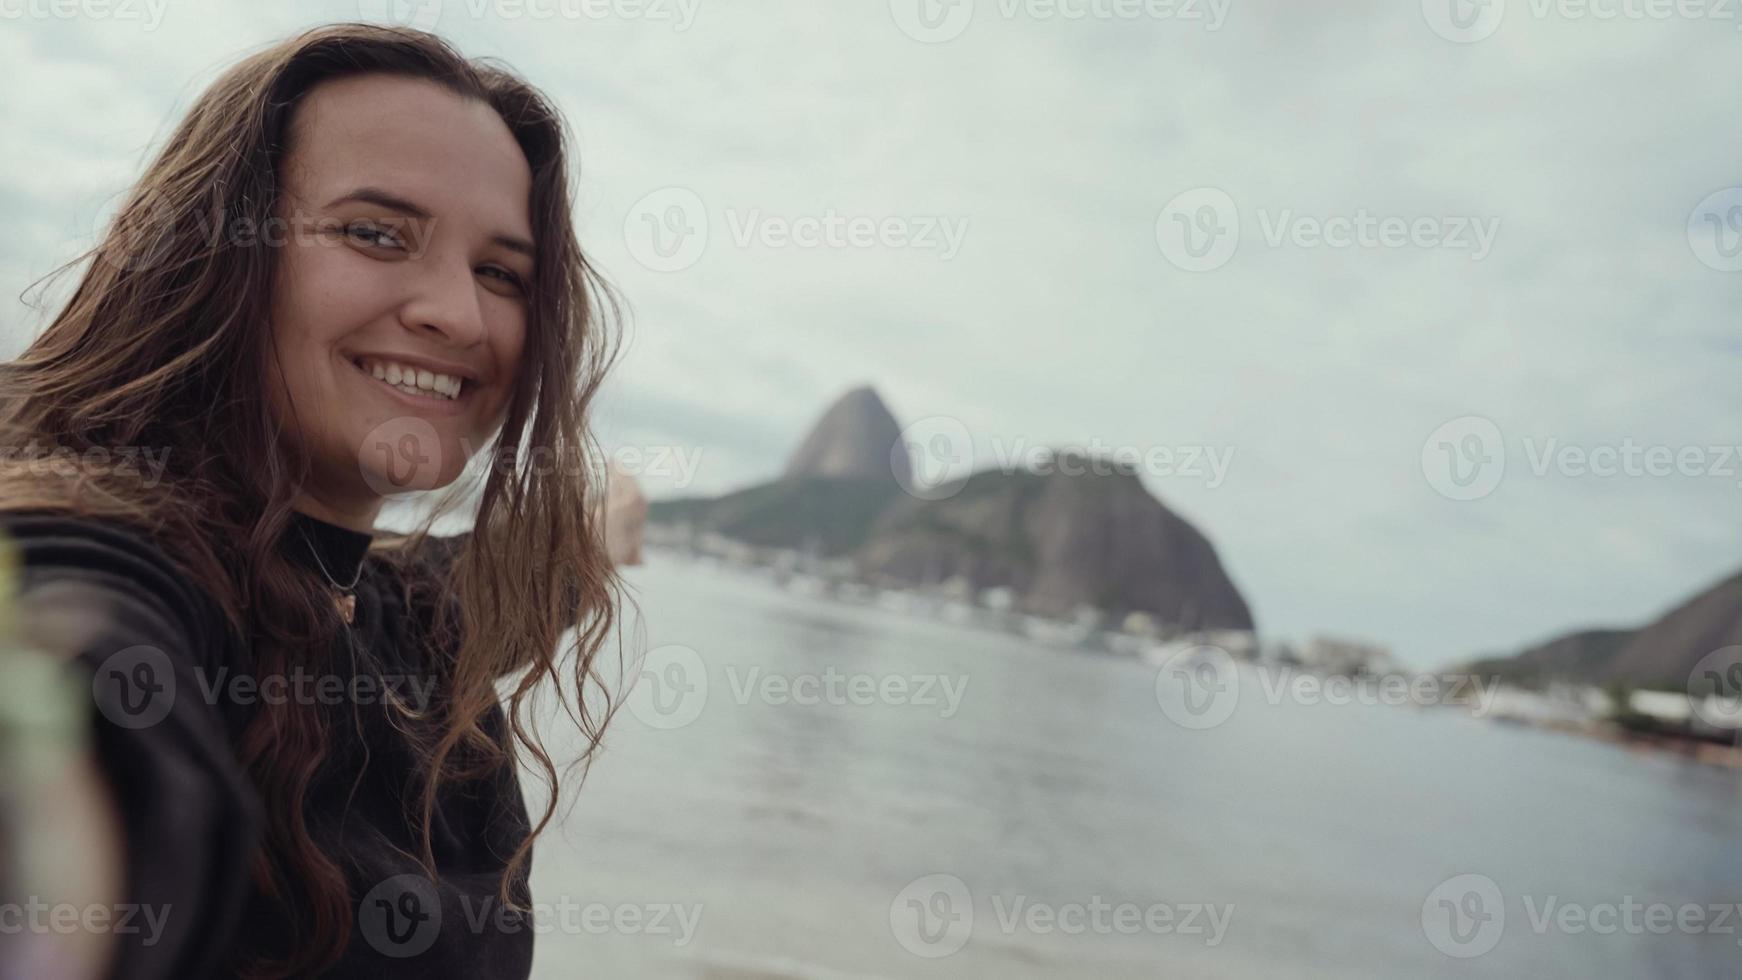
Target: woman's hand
[624, 512]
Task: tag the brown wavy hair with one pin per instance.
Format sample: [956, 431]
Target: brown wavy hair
[163, 346]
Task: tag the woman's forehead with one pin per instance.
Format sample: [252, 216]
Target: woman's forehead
[452, 155]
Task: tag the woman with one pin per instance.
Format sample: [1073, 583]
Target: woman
[349, 277]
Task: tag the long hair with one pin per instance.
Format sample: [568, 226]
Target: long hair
[164, 349]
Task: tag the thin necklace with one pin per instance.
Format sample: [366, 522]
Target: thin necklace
[345, 599]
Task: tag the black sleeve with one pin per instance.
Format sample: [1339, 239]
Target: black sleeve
[149, 645]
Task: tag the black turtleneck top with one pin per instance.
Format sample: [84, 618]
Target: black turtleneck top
[173, 688]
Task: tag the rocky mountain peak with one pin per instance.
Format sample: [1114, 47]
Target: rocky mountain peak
[856, 437]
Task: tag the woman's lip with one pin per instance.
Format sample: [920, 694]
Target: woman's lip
[420, 403]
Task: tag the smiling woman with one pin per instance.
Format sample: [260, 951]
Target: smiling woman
[297, 726]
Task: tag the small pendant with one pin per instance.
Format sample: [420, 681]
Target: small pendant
[347, 606]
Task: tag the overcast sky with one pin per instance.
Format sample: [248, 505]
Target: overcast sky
[1361, 258]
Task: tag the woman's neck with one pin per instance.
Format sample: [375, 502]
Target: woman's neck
[358, 517]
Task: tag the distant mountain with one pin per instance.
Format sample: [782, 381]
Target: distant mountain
[1664, 653]
[857, 437]
[825, 516]
[1058, 541]
[1660, 655]
[1577, 657]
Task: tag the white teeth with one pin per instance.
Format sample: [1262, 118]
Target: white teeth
[414, 381]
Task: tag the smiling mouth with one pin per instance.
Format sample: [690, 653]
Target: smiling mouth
[467, 386]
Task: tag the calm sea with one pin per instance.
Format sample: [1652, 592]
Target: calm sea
[807, 788]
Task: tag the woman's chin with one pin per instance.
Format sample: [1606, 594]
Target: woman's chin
[408, 455]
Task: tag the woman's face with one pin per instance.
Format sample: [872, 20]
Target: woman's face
[406, 251]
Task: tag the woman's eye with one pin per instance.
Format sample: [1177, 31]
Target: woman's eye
[374, 236]
[505, 275]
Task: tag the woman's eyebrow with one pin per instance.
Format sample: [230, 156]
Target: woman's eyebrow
[377, 196]
[393, 202]
[513, 244]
